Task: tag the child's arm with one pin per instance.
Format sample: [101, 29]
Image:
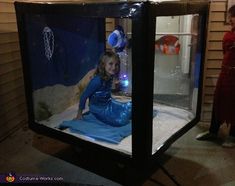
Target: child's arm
[79, 115]
[94, 84]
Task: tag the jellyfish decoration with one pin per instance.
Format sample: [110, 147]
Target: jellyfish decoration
[48, 38]
[168, 45]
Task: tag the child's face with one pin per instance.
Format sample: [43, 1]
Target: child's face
[111, 67]
[231, 21]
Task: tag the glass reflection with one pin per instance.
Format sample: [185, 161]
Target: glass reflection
[176, 71]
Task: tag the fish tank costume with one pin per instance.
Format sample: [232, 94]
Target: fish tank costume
[61, 43]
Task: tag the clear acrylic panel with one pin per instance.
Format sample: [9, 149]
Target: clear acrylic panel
[176, 75]
[63, 59]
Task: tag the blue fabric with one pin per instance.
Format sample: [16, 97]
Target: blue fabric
[90, 126]
[103, 106]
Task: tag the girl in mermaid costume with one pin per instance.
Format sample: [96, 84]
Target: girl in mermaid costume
[98, 91]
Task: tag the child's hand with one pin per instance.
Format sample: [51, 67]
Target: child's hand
[79, 116]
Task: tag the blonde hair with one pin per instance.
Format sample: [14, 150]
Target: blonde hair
[106, 57]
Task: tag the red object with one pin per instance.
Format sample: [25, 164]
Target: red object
[224, 97]
[168, 45]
